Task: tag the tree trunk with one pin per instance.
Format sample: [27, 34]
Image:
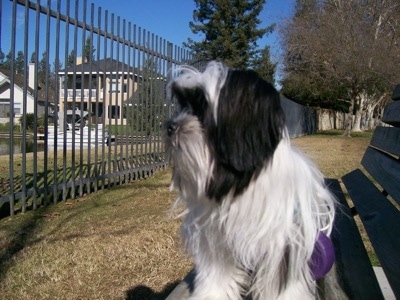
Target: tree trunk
[357, 122]
[358, 113]
[348, 120]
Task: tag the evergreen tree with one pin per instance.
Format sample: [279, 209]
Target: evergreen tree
[230, 28]
[263, 65]
[71, 58]
[20, 63]
[33, 57]
[2, 56]
[145, 109]
[44, 68]
[7, 61]
[88, 50]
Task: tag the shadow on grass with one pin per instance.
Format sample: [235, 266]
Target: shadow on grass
[20, 237]
[142, 292]
[22, 231]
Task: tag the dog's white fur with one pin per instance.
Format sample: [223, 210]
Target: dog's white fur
[261, 241]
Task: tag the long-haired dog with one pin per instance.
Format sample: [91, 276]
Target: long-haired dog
[255, 208]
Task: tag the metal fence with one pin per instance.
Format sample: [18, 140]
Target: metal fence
[88, 99]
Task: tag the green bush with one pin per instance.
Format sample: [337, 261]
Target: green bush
[6, 127]
[29, 121]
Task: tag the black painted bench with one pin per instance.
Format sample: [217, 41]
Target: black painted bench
[378, 208]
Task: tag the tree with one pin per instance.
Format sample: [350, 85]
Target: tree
[2, 56]
[88, 50]
[20, 63]
[33, 57]
[263, 65]
[44, 69]
[145, 109]
[231, 30]
[342, 53]
[71, 58]
[7, 61]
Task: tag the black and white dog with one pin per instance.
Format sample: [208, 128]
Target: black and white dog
[257, 213]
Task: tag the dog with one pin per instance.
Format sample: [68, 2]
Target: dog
[257, 214]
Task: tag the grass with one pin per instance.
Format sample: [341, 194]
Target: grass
[120, 243]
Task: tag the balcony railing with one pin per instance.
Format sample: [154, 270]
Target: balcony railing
[79, 94]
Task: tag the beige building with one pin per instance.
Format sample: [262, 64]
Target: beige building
[100, 87]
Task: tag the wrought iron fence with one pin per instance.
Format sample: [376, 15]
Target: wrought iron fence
[90, 103]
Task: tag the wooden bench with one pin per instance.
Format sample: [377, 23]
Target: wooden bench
[374, 197]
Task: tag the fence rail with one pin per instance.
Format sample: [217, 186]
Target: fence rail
[91, 102]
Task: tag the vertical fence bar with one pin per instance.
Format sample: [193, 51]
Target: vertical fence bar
[46, 104]
[120, 79]
[105, 164]
[130, 85]
[63, 128]
[136, 38]
[24, 116]
[98, 82]
[56, 100]
[12, 93]
[85, 60]
[90, 106]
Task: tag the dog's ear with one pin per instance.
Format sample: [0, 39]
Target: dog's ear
[191, 99]
[250, 121]
[250, 126]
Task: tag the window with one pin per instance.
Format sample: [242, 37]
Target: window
[17, 109]
[113, 112]
[114, 87]
[4, 108]
[114, 84]
[78, 82]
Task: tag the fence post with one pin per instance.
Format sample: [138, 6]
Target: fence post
[169, 75]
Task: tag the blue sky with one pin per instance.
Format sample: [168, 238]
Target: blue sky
[168, 19]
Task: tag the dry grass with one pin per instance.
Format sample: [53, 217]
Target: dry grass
[335, 154]
[114, 244]
[120, 243]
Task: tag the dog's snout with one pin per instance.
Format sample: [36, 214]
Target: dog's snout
[171, 128]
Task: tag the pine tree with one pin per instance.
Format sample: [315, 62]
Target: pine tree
[230, 28]
[263, 65]
[88, 50]
[71, 58]
[44, 68]
[7, 61]
[19, 63]
[145, 109]
[2, 56]
[33, 57]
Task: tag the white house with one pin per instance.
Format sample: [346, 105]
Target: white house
[20, 97]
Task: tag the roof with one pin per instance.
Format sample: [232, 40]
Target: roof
[107, 65]
[19, 81]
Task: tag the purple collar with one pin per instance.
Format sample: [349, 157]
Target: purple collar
[323, 256]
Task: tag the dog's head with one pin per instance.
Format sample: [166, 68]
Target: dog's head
[226, 127]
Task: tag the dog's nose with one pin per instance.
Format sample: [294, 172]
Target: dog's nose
[171, 128]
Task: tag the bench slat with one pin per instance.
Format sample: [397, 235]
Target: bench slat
[391, 114]
[396, 93]
[387, 139]
[355, 272]
[381, 221]
[385, 169]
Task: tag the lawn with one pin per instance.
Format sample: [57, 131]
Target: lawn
[121, 243]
